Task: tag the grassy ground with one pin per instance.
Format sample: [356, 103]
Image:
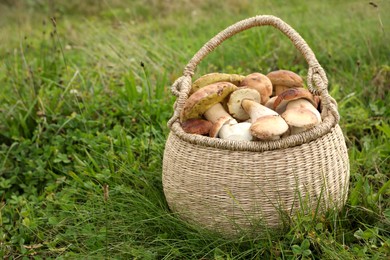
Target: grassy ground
[83, 124]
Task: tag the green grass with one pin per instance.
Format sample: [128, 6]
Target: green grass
[79, 113]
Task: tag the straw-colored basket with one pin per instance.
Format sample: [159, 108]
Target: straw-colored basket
[234, 186]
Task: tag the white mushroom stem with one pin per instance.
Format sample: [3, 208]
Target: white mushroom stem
[216, 112]
[236, 131]
[256, 110]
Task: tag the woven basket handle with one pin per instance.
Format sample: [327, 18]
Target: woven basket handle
[316, 78]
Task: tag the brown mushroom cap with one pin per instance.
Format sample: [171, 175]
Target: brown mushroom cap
[259, 82]
[197, 126]
[284, 79]
[211, 78]
[289, 95]
[235, 102]
[268, 127]
[203, 99]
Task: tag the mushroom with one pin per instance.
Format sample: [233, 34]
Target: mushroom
[214, 131]
[206, 101]
[290, 94]
[283, 80]
[298, 107]
[228, 128]
[259, 82]
[266, 124]
[197, 126]
[301, 115]
[211, 78]
[236, 131]
[235, 100]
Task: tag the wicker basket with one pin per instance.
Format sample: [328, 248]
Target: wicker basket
[239, 186]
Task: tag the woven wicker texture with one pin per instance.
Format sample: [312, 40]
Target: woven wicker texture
[228, 190]
[232, 186]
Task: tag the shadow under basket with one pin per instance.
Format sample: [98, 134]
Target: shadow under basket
[235, 187]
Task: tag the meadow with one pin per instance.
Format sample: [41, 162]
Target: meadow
[84, 104]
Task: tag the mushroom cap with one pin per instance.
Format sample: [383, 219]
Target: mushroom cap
[211, 78]
[203, 99]
[267, 127]
[284, 79]
[305, 104]
[197, 126]
[289, 95]
[235, 102]
[300, 117]
[259, 82]
[214, 131]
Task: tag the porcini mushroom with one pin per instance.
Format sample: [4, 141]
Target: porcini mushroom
[266, 123]
[283, 80]
[290, 94]
[301, 115]
[235, 100]
[211, 78]
[214, 131]
[259, 82]
[197, 126]
[206, 101]
[236, 131]
[298, 107]
[228, 128]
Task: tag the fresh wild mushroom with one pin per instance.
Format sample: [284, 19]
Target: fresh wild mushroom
[206, 101]
[291, 94]
[234, 103]
[266, 123]
[236, 131]
[259, 82]
[301, 115]
[197, 126]
[283, 80]
[298, 107]
[214, 131]
[211, 78]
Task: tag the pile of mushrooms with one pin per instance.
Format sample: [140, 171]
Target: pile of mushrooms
[252, 107]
